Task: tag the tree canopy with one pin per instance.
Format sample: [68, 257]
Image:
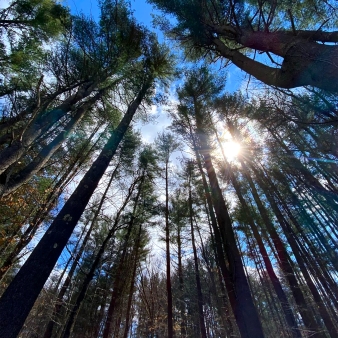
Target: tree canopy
[298, 38]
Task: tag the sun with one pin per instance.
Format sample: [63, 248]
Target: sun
[231, 149]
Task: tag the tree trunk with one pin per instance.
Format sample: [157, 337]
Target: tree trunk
[220, 258]
[76, 308]
[284, 260]
[288, 314]
[132, 283]
[21, 294]
[309, 180]
[167, 246]
[244, 309]
[220, 301]
[8, 184]
[326, 280]
[315, 230]
[117, 281]
[67, 283]
[40, 125]
[32, 110]
[197, 274]
[305, 63]
[288, 231]
[181, 283]
[44, 209]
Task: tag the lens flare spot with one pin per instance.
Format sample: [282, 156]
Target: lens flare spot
[231, 149]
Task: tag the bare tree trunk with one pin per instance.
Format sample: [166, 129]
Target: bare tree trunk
[288, 314]
[288, 231]
[220, 257]
[181, 283]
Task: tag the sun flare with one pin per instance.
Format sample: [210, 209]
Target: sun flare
[231, 149]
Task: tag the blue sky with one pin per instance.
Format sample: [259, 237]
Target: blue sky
[142, 10]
